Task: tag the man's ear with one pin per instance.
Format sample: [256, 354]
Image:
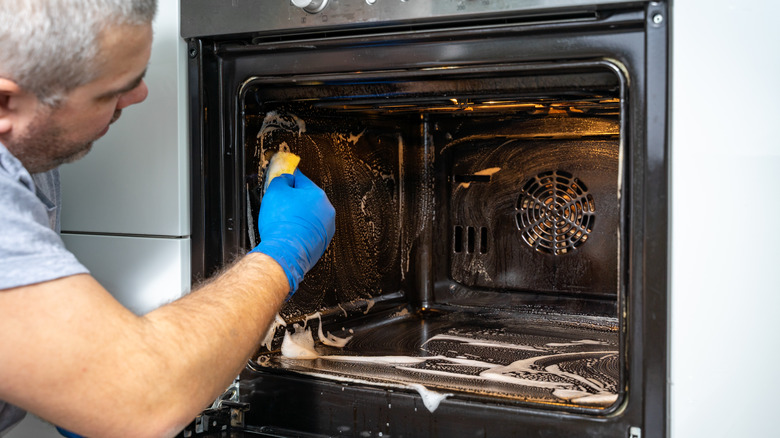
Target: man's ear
[9, 90]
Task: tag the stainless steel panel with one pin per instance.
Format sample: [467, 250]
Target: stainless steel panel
[218, 17]
[33, 427]
[141, 273]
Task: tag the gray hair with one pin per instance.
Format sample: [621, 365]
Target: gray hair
[50, 47]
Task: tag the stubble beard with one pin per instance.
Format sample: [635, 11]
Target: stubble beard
[44, 146]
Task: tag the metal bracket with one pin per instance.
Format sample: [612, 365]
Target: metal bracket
[226, 412]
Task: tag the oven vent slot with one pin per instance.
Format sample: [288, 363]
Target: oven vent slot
[555, 212]
[470, 240]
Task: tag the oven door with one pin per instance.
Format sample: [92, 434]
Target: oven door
[497, 268]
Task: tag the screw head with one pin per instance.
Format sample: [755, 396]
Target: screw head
[658, 18]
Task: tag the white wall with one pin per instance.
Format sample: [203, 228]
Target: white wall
[725, 154]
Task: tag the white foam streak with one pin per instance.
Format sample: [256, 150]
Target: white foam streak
[510, 372]
[409, 360]
[523, 372]
[369, 305]
[576, 343]
[328, 339]
[526, 372]
[481, 343]
[431, 399]
[383, 360]
[269, 335]
[555, 369]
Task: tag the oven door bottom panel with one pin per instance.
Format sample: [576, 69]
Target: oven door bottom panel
[429, 362]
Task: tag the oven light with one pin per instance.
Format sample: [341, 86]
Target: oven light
[440, 68]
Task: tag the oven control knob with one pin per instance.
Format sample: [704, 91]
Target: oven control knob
[311, 6]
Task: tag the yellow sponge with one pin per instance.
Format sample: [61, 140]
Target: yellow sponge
[281, 163]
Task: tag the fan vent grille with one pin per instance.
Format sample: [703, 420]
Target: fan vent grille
[555, 212]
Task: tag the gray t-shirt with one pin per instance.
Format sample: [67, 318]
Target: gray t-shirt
[31, 250]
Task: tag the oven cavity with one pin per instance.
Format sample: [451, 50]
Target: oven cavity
[459, 263]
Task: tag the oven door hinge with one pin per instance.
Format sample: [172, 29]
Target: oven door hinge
[226, 412]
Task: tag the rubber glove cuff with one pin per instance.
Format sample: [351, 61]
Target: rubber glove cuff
[68, 434]
[281, 254]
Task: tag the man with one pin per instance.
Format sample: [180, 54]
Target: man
[69, 352]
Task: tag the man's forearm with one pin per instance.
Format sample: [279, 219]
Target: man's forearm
[76, 357]
[209, 335]
[213, 331]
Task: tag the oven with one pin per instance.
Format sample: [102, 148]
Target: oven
[499, 172]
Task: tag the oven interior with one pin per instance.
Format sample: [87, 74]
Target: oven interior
[478, 251]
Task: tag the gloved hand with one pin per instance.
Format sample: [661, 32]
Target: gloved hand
[296, 223]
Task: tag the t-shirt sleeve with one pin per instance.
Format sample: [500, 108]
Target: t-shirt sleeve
[30, 251]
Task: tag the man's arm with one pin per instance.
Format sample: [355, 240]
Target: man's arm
[73, 355]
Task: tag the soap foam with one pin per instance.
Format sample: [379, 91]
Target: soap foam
[269, 335]
[526, 372]
[299, 344]
[575, 343]
[541, 371]
[431, 399]
[332, 340]
[475, 342]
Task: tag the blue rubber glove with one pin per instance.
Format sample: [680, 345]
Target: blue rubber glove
[67, 433]
[296, 223]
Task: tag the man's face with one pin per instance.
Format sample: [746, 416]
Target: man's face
[64, 134]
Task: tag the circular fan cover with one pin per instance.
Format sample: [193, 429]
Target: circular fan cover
[555, 212]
